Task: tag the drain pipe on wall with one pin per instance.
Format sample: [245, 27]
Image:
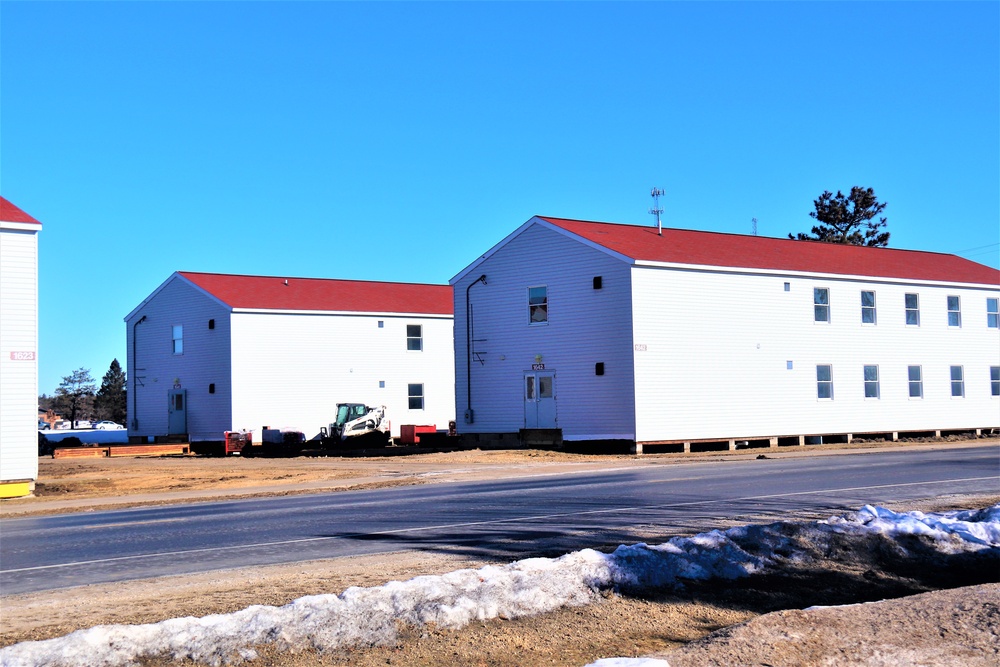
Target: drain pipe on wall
[135, 378]
[469, 415]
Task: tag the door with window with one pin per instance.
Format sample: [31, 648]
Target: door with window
[539, 399]
[177, 412]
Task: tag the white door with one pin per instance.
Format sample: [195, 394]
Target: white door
[539, 399]
[177, 412]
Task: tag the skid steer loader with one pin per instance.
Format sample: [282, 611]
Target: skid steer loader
[358, 425]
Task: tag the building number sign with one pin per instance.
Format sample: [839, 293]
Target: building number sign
[22, 356]
[538, 367]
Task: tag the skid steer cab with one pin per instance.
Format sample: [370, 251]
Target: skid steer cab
[358, 425]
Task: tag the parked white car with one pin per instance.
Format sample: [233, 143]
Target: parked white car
[109, 426]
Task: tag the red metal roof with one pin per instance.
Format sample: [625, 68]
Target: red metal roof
[271, 293]
[11, 213]
[685, 246]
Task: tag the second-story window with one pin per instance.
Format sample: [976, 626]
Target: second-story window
[912, 310]
[821, 304]
[868, 307]
[414, 337]
[177, 335]
[954, 311]
[993, 313]
[538, 305]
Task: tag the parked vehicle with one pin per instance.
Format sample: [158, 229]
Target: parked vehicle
[360, 424]
[109, 426]
[44, 426]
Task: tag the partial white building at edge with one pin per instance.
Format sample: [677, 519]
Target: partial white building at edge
[617, 332]
[18, 351]
[210, 353]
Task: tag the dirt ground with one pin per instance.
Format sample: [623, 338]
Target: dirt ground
[931, 615]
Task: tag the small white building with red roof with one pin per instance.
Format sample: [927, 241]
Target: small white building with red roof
[618, 332]
[18, 350]
[210, 353]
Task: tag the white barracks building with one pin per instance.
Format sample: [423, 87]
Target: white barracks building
[18, 351]
[209, 353]
[615, 332]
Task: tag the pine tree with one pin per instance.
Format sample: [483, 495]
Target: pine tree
[75, 394]
[111, 401]
[848, 219]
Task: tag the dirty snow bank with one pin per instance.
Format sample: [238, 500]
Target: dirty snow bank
[371, 616]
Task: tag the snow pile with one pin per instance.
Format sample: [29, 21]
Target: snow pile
[371, 616]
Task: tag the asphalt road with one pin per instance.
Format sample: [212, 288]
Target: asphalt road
[506, 519]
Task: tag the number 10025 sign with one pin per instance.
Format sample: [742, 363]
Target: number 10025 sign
[22, 356]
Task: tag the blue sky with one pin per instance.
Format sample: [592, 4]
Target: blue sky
[399, 141]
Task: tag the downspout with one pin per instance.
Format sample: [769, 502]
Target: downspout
[469, 417]
[135, 378]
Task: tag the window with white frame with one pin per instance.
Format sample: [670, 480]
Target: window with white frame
[957, 381]
[538, 305]
[415, 394]
[993, 313]
[954, 311]
[994, 380]
[867, 307]
[871, 382]
[414, 337]
[824, 381]
[177, 337]
[821, 304]
[916, 378]
[912, 309]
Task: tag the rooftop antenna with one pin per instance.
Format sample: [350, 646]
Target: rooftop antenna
[754, 221]
[656, 210]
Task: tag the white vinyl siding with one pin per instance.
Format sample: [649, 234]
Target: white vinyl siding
[180, 308]
[748, 389]
[587, 326]
[291, 370]
[18, 355]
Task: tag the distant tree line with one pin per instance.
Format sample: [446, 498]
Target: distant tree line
[77, 397]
